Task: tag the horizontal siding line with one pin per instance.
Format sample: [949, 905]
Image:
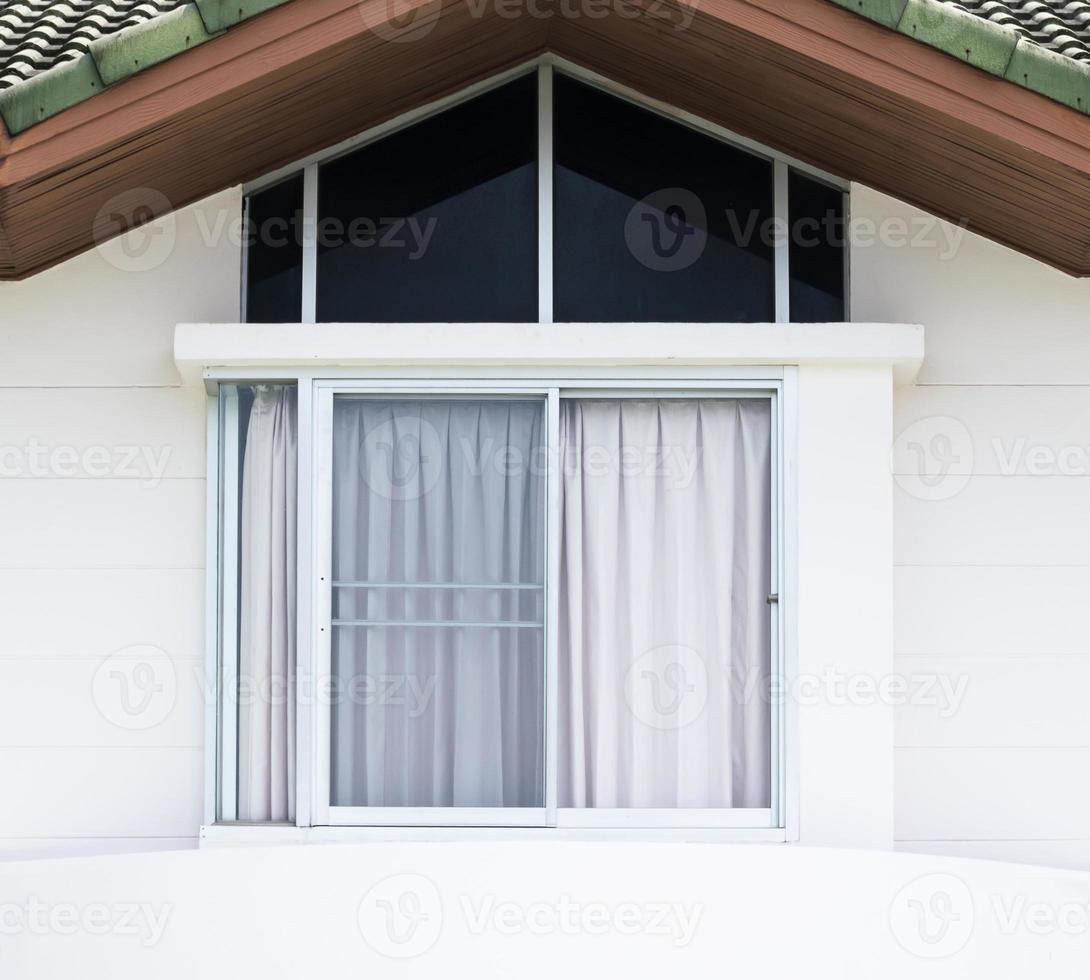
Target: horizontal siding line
[991, 748]
[69, 658]
[1059, 747]
[102, 568]
[990, 840]
[998, 385]
[954, 655]
[978, 475]
[102, 479]
[47, 570]
[114, 387]
[197, 747]
[100, 748]
[101, 837]
[969, 564]
[925, 564]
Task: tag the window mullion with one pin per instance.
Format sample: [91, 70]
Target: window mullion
[552, 610]
[306, 671]
[783, 241]
[545, 194]
[229, 577]
[310, 244]
[321, 503]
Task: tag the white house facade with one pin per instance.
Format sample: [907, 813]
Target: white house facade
[900, 573]
[546, 464]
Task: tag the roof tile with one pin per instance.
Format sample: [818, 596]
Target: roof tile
[1042, 45]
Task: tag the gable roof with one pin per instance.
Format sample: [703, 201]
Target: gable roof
[55, 53]
[808, 77]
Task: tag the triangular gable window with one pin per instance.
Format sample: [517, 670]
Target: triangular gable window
[546, 198]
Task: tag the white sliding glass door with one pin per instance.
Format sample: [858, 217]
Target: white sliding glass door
[546, 607]
[436, 626]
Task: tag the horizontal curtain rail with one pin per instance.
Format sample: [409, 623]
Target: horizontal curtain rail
[441, 623]
[438, 585]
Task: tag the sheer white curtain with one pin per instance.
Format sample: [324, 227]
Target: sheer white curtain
[266, 714]
[438, 556]
[664, 626]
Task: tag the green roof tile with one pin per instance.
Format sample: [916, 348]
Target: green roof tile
[885, 12]
[979, 42]
[119, 56]
[974, 37]
[220, 14]
[112, 57]
[1051, 74]
[53, 91]
[1002, 50]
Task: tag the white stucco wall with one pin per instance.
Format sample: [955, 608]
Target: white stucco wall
[97, 555]
[992, 578]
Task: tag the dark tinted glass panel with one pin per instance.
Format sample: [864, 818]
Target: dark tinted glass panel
[274, 254]
[817, 251]
[655, 221]
[438, 222]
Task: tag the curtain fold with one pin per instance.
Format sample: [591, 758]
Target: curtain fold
[267, 609]
[664, 628]
[437, 519]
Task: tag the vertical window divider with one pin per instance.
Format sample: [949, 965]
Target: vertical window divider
[309, 313]
[213, 613]
[552, 609]
[244, 280]
[306, 674]
[321, 566]
[545, 193]
[229, 579]
[782, 224]
[775, 607]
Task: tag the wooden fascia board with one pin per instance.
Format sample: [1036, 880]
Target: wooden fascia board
[810, 46]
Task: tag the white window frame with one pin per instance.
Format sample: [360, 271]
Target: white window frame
[323, 812]
[545, 65]
[315, 400]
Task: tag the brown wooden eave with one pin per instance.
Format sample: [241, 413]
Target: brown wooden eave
[803, 76]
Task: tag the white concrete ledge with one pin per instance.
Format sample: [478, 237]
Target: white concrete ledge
[539, 911]
[201, 346]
